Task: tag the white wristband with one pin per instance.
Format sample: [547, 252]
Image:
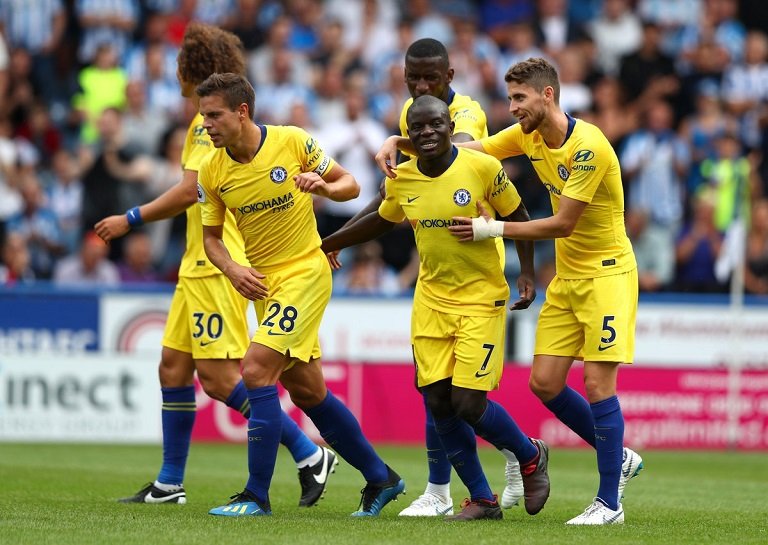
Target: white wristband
[483, 229]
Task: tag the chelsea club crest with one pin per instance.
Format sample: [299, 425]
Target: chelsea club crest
[278, 175]
[563, 172]
[462, 197]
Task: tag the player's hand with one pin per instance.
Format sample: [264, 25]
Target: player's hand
[311, 182]
[386, 158]
[333, 260]
[112, 227]
[474, 229]
[526, 287]
[248, 282]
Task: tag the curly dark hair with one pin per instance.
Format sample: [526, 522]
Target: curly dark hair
[207, 49]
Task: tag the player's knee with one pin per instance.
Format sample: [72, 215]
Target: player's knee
[215, 389]
[305, 397]
[596, 391]
[469, 405]
[439, 406]
[173, 375]
[543, 387]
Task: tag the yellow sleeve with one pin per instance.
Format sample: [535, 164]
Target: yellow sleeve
[212, 207]
[470, 120]
[311, 154]
[501, 193]
[390, 208]
[505, 143]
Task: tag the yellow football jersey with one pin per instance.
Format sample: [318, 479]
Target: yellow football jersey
[194, 262]
[584, 168]
[467, 115]
[454, 277]
[276, 220]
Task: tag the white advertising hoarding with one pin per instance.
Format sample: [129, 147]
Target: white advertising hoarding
[79, 398]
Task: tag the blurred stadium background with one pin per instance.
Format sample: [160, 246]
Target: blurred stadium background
[91, 123]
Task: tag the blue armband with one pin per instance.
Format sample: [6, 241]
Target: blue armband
[134, 217]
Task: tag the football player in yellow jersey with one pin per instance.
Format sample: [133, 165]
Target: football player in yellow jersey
[591, 304]
[207, 328]
[458, 319]
[428, 72]
[265, 176]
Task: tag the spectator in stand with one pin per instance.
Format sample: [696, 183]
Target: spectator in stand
[37, 26]
[274, 100]
[703, 128]
[368, 274]
[616, 32]
[428, 22]
[88, 268]
[143, 124]
[370, 27]
[261, 61]
[65, 197]
[610, 111]
[252, 20]
[497, 18]
[107, 178]
[136, 265]
[38, 225]
[745, 85]
[14, 261]
[719, 26]
[474, 57]
[105, 22]
[40, 132]
[518, 45]
[353, 141]
[554, 29]
[671, 16]
[648, 73]
[730, 179]
[102, 86]
[575, 96]
[305, 23]
[654, 252]
[654, 160]
[698, 248]
[756, 272]
[155, 31]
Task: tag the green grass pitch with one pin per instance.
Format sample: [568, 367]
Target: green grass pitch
[65, 494]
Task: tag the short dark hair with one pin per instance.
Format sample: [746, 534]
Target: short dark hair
[425, 101]
[234, 88]
[536, 72]
[427, 48]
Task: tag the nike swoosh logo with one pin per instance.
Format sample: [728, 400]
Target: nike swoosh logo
[149, 498]
[321, 477]
[206, 343]
[606, 347]
[478, 374]
[411, 199]
[223, 189]
[534, 159]
[625, 472]
[256, 428]
[270, 332]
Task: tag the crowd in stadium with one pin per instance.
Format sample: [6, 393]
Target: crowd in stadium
[92, 121]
